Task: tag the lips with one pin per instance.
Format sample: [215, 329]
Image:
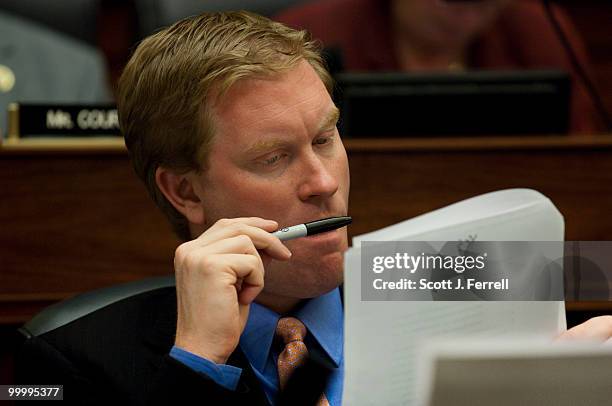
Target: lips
[321, 235]
[324, 242]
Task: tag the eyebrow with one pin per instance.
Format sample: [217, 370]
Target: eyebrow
[264, 146]
[327, 123]
[331, 120]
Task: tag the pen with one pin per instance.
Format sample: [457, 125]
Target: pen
[311, 228]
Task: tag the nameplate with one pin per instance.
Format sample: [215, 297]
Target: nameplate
[62, 120]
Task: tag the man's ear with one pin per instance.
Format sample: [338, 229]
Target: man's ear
[181, 192]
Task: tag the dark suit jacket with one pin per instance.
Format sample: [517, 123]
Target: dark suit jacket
[119, 354]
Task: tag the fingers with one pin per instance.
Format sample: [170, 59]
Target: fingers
[234, 257]
[228, 253]
[595, 329]
[265, 224]
[217, 276]
[257, 229]
[244, 268]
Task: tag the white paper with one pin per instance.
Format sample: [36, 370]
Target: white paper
[508, 372]
[382, 339]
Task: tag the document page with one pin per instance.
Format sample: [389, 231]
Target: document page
[383, 338]
[526, 373]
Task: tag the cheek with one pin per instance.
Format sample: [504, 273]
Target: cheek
[343, 172]
[245, 195]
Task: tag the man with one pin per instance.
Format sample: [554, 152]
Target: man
[229, 122]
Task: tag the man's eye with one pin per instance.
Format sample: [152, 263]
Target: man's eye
[273, 160]
[323, 140]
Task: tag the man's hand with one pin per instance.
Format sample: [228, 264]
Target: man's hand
[218, 275]
[595, 329]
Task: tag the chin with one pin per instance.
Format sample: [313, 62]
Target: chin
[309, 278]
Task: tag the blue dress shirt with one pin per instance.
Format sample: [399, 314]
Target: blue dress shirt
[322, 316]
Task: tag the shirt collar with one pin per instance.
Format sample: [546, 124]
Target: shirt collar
[322, 316]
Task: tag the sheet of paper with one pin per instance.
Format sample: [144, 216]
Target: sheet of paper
[526, 372]
[506, 215]
[383, 339]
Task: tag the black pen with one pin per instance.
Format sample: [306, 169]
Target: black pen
[311, 228]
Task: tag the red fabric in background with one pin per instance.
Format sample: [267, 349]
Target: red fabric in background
[521, 38]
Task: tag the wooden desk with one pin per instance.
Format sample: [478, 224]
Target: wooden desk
[74, 219]
[77, 218]
[392, 180]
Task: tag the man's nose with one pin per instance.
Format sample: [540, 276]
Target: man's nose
[318, 179]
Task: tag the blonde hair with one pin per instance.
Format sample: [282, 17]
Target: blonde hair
[167, 88]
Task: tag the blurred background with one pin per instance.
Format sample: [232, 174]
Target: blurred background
[74, 50]
[535, 80]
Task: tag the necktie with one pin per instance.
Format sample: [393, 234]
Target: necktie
[292, 332]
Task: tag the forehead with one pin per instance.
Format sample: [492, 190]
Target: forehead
[295, 100]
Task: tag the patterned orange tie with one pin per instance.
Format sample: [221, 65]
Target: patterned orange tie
[292, 332]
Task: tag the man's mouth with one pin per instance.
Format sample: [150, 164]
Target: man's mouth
[321, 217]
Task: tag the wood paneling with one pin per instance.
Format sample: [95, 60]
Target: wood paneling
[75, 219]
[392, 180]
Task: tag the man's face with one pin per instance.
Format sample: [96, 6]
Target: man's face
[442, 20]
[277, 154]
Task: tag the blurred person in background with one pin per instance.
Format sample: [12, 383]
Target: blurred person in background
[38, 65]
[443, 35]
